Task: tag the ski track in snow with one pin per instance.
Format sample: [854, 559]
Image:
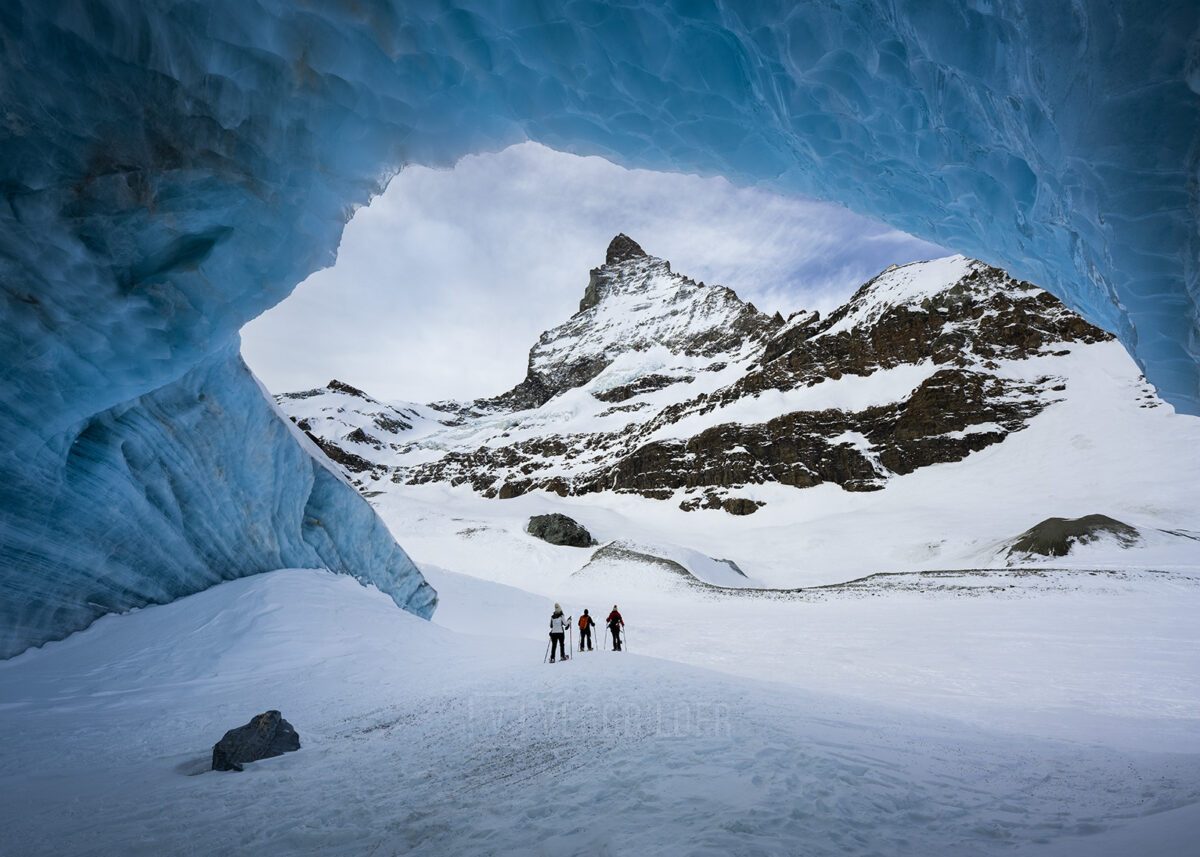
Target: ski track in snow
[419, 739]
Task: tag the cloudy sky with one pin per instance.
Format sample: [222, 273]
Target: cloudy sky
[444, 282]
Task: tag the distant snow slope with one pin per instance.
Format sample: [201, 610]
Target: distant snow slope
[942, 411]
[492, 752]
[900, 285]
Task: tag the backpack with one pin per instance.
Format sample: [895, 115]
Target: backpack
[585, 622]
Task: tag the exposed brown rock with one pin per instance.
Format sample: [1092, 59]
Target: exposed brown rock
[740, 505]
[645, 384]
[348, 460]
[621, 249]
[962, 334]
[360, 436]
[1056, 536]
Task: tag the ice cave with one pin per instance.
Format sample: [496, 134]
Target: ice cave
[172, 168]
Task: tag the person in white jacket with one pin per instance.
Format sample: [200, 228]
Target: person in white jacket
[558, 632]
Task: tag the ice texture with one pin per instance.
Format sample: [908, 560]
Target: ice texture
[171, 168]
[197, 482]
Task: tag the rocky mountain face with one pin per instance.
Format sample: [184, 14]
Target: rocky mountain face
[634, 302]
[679, 390]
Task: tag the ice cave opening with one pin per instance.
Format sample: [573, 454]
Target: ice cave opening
[172, 169]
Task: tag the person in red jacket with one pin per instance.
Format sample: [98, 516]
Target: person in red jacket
[615, 624]
[585, 631]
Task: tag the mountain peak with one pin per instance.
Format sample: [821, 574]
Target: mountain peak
[623, 248]
[670, 386]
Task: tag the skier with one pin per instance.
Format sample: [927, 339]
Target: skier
[558, 632]
[585, 631]
[615, 624]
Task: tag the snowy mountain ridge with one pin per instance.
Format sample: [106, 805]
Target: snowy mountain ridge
[634, 303]
[674, 389]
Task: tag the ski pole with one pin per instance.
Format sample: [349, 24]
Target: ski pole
[546, 657]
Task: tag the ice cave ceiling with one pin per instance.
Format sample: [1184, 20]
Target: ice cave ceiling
[171, 168]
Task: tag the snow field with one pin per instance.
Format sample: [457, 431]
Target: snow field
[981, 712]
[1093, 452]
[1096, 657]
[419, 739]
[902, 285]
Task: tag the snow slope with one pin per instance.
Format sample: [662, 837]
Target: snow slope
[950, 644]
[492, 752]
[1083, 434]
[1093, 453]
[902, 285]
[660, 383]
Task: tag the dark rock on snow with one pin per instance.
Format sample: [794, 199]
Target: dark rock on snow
[264, 736]
[342, 387]
[645, 384]
[1055, 536]
[621, 249]
[732, 505]
[349, 460]
[360, 436]
[740, 505]
[391, 424]
[560, 530]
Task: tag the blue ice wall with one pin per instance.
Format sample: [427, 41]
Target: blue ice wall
[156, 498]
[170, 168]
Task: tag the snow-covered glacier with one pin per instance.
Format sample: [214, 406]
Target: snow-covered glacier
[171, 168]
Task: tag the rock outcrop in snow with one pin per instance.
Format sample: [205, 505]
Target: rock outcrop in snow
[675, 389]
[1056, 536]
[266, 736]
[558, 529]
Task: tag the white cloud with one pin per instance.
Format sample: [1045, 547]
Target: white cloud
[444, 282]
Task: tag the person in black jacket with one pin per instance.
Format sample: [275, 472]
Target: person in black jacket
[615, 624]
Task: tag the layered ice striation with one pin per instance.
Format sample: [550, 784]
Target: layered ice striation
[197, 482]
[171, 168]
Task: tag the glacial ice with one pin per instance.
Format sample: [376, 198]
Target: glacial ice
[171, 168]
[197, 482]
